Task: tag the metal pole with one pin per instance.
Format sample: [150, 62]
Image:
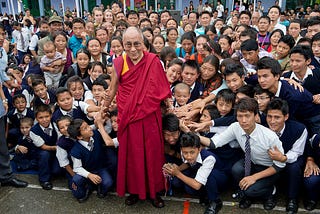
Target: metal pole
[62, 3]
[13, 12]
[77, 7]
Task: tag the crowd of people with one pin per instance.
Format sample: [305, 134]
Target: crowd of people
[142, 103]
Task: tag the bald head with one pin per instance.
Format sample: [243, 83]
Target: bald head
[132, 31]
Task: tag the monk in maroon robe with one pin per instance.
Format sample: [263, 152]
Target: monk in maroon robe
[141, 85]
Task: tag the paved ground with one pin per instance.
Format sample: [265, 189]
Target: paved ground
[59, 200]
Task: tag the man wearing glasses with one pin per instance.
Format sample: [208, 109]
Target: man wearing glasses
[141, 85]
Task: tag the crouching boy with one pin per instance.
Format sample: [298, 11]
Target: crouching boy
[86, 155]
[203, 172]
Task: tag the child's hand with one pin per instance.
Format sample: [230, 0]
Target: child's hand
[22, 149]
[96, 179]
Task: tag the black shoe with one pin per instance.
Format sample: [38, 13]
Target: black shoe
[131, 199]
[46, 185]
[270, 203]
[245, 203]
[213, 207]
[310, 205]
[85, 197]
[292, 206]
[14, 182]
[204, 201]
[100, 194]
[157, 202]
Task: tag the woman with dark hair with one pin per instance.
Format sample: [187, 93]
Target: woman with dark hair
[95, 49]
[211, 78]
[80, 68]
[274, 40]
[60, 40]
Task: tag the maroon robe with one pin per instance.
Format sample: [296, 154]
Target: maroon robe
[141, 147]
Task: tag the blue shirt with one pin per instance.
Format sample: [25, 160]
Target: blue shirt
[75, 44]
[3, 75]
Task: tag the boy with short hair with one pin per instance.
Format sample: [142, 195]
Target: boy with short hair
[98, 90]
[285, 44]
[44, 136]
[42, 94]
[293, 136]
[257, 173]
[190, 73]
[52, 72]
[14, 117]
[315, 44]
[26, 152]
[203, 172]
[181, 95]
[302, 104]
[79, 38]
[64, 146]
[86, 156]
[67, 107]
[234, 76]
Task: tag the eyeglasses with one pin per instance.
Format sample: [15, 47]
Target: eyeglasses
[261, 97]
[128, 45]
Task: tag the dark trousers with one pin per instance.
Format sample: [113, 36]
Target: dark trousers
[20, 56]
[48, 165]
[215, 183]
[110, 160]
[291, 177]
[261, 188]
[5, 168]
[312, 185]
[83, 184]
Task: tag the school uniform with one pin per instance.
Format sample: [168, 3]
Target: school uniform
[64, 146]
[312, 183]
[311, 80]
[37, 101]
[315, 61]
[260, 141]
[88, 82]
[293, 137]
[13, 119]
[208, 170]
[47, 161]
[77, 112]
[28, 160]
[196, 91]
[88, 159]
[301, 105]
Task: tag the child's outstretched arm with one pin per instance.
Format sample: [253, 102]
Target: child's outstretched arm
[99, 124]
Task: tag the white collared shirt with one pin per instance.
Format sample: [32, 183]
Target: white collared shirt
[297, 148]
[308, 72]
[206, 168]
[37, 140]
[261, 140]
[77, 163]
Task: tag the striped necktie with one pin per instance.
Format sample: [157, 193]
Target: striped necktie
[247, 157]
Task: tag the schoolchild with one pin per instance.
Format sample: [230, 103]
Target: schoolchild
[44, 136]
[181, 95]
[293, 136]
[202, 174]
[190, 74]
[86, 157]
[64, 146]
[14, 116]
[97, 68]
[66, 106]
[26, 152]
[42, 94]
